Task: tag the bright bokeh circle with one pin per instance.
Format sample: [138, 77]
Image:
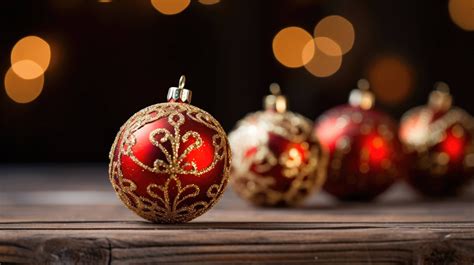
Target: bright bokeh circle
[323, 63]
[22, 90]
[338, 29]
[462, 13]
[30, 57]
[170, 7]
[288, 45]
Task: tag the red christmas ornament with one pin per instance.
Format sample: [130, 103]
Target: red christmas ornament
[275, 160]
[365, 155]
[438, 138]
[170, 162]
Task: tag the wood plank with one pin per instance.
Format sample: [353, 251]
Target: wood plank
[226, 245]
[244, 226]
[90, 226]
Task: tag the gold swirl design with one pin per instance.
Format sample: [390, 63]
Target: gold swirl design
[434, 133]
[422, 142]
[161, 205]
[251, 176]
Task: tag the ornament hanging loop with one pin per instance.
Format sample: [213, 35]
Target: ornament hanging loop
[182, 82]
[180, 94]
[362, 97]
[276, 101]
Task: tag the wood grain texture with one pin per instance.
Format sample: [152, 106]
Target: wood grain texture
[398, 229]
[233, 243]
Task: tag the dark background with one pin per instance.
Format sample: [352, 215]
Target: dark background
[111, 59]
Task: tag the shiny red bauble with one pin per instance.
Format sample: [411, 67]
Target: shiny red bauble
[365, 155]
[438, 138]
[170, 162]
[276, 161]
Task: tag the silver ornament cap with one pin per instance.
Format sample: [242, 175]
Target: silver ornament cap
[275, 101]
[362, 97]
[180, 94]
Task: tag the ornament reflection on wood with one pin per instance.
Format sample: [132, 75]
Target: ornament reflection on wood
[438, 138]
[170, 162]
[276, 162]
[365, 155]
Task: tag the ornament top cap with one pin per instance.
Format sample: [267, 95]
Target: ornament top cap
[362, 97]
[440, 98]
[276, 101]
[180, 94]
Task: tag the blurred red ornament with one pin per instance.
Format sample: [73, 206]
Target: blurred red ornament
[438, 138]
[275, 160]
[170, 162]
[365, 155]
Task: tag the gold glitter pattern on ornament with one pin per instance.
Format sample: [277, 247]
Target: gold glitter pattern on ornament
[426, 134]
[164, 206]
[344, 147]
[253, 177]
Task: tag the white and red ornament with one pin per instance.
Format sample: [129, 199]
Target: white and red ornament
[276, 161]
[170, 162]
[365, 155]
[438, 138]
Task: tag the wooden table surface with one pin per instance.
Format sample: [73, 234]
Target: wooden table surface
[69, 214]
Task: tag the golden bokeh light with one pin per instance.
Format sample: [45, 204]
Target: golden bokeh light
[22, 90]
[391, 78]
[462, 13]
[27, 69]
[170, 7]
[28, 54]
[338, 29]
[328, 46]
[322, 64]
[288, 45]
[209, 2]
